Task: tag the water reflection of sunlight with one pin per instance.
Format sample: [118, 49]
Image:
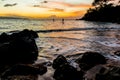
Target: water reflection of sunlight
[67, 24]
[71, 34]
[87, 38]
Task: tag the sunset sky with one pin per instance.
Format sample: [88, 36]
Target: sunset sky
[44, 8]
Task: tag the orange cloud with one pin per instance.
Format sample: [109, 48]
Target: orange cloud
[83, 5]
[57, 10]
[46, 9]
[69, 5]
[53, 4]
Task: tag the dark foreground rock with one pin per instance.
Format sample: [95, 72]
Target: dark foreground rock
[90, 59]
[89, 65]
[113, 73]
[18, 47]
[24, 70]
[60, 60]
[18, 51]
[117, 53]
[67, 72]
[64, 71]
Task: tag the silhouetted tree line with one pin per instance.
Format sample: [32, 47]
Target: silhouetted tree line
[104, 10]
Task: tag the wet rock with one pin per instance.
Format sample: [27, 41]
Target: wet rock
[60, 60]
[17, 77]
[18, 47]
[51, 47]
[4, 37]
[91, 73]
[24, 70]
[25, 34]
[90, 59]
[67, 72]
[112, 73]
[47, 63]
[57, 49]
[117, 53]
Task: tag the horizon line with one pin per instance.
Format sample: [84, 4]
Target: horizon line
[18, 17]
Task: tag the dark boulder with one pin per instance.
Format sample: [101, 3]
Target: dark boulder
[113, 73]
[18, 47]
[67, 72]
[117, 53]
[25, 70]
[90, 59]
[4, 37]
[60, 60]
[64, 71]
[25, 34]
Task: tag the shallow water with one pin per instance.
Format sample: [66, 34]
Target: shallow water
[69, 39]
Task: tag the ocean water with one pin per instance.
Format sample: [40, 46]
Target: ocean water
[69, 38]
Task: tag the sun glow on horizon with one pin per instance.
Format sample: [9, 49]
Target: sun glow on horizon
[30, 9]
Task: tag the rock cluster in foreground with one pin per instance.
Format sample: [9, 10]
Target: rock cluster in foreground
[18, 52]
[91, 66]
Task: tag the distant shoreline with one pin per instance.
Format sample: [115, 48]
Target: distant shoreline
[37, 18]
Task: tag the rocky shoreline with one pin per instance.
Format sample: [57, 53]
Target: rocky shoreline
[18, 53]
